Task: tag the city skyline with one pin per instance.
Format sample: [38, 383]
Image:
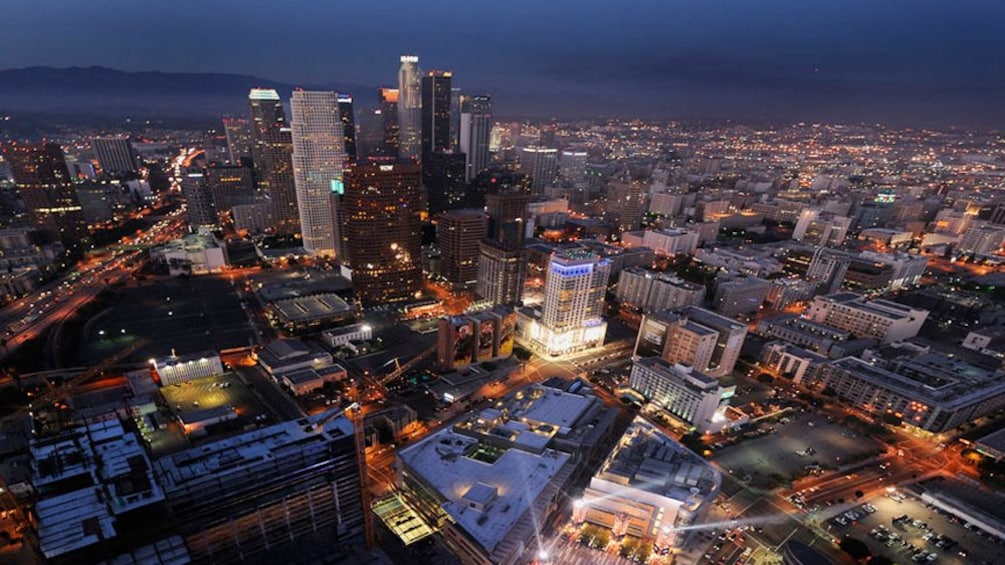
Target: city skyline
[898, 63]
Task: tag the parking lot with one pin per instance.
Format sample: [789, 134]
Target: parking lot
[214, 392]
[902, 540]
[776, 454]
[187, 315]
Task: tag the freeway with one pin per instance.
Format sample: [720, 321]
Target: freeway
[30, 316]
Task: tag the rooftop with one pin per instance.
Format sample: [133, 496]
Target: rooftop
[311, 307]
[648, 460]
[249, 449]
[487, 497]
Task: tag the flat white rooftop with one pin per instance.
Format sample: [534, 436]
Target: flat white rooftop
[486, 499]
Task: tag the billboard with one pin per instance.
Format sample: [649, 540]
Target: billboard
[486, 337]
[507, 329]
[464, 341]
[652, 338]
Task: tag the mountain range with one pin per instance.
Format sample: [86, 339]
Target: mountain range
[110, 93]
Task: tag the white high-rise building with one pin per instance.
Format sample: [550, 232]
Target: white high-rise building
[476, 128]
[318, 160]
[570, 318]
[409, 108]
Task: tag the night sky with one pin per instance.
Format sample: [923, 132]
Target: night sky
[937, 62]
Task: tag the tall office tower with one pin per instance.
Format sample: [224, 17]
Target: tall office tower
[272, 153]
[625, 205]
[318, 161]
[345, 112]
[198, 200]
[507, 210]
[382, 231]
[388, 98]
[287, 491]
[409, 108]
[229, 186]
[43, 181]
[541, 164]
[455, 118]
[457, 234]
[267, 117]
[475, 129]
[115, 154]
[572, 166]
[501, 271]
[436, 114]
[238, 132]
[443, 177]
[571, 317]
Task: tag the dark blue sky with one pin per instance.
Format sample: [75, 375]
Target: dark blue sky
[899, 61]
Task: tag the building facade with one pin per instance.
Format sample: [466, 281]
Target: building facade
[382, 231]
[318, 161]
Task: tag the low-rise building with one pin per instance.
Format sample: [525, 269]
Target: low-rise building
[688, 395]
[308, 313]
[177, 369]
[488, 482]
[288, 355]
[337, 337]
[880, 319]
[307, 380]
[195, 254]
[650, 487]
[930, 391]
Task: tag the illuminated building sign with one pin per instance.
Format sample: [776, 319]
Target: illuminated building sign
[338, 187]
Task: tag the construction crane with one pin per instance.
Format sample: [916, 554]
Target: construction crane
[54, 394]
[358, 422]
[400, 369]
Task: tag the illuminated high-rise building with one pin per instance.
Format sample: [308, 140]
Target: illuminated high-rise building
[44, 184]
[409, 108]
[381, 231]
[475, 129]
[457, 234]
[388, 98]
[436, 114]
[272, 153]
[345, 112]
[501, 272]
[115, 154]
[571, 317]
[318, 161]
[238, 132]
[541, 164]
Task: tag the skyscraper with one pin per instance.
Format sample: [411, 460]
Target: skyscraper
[198, 200]
[318, 160]
[457, 234]
[345, 112]
[501, 270]
[571, 316]
[436, 112]
[541, 164]
[455, 118]
[443, 177]
[115, 154]
[382, 231]
[272, 153]
[229, 186]
[43, 181]
[475, 130]
[238, 132]
[507, 210]
[388, 98]
[409, 108]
